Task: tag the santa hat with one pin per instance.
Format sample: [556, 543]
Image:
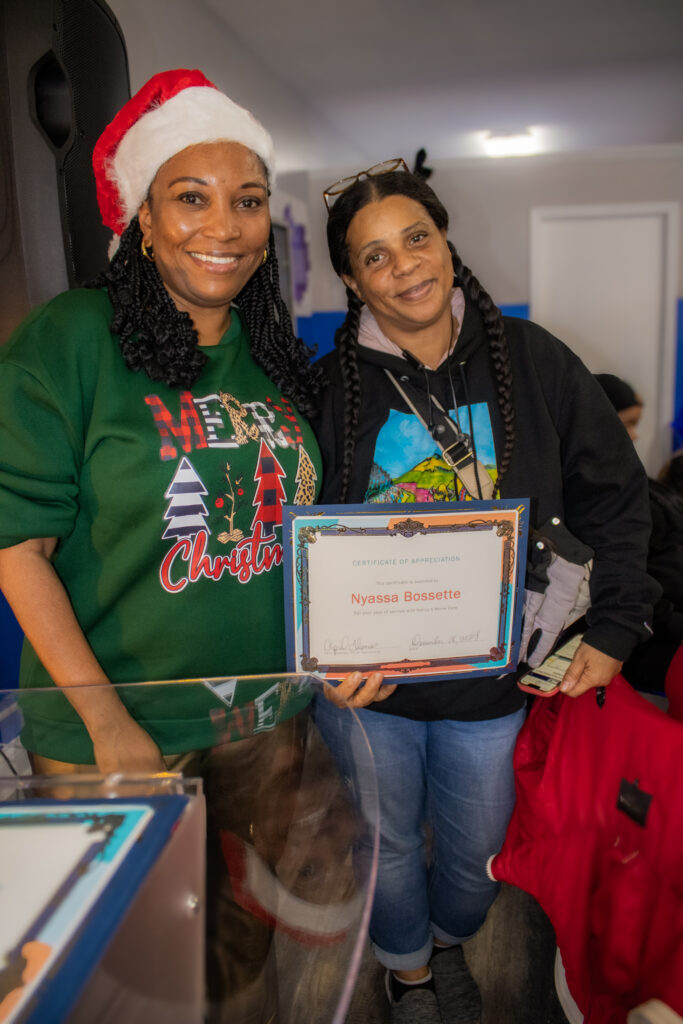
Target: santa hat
[175, 109]
[258, 890]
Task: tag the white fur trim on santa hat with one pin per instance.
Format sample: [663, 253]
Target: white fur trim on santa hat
[195, 115]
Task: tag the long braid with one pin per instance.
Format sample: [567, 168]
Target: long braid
[160, 340]
[153, 334]
[346, 342]
[498, 348]
[274, 346]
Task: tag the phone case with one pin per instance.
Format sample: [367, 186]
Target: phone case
[545, 680]
[540, 686]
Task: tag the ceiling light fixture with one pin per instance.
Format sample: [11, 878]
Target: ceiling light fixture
[514, 144]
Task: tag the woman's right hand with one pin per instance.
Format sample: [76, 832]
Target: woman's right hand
[354, 692]
[124, 746]
[44, 611]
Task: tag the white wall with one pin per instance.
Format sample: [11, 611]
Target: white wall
[163, 34]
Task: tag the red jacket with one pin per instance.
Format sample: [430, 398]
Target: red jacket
[609, 879]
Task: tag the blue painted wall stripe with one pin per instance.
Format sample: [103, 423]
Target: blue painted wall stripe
[521, 310]
[319, 330]
[678, 400]
[10, 646]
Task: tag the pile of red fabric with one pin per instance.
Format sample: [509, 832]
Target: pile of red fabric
[597, 839]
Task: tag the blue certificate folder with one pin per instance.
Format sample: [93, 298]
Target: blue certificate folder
[421, 592]
[91, 857]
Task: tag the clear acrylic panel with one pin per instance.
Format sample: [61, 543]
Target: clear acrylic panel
[255, 907]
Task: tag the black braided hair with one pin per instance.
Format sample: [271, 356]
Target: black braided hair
[498, 350]
[285, 358]
[154, 335]
[159, 339]
[342, 213]
[345, 341]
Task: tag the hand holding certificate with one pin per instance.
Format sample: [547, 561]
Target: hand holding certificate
[419, 592]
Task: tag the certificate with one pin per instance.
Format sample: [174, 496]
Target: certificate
[68, 873]
[420, 592]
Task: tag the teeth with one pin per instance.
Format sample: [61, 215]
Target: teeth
[214, 259]
[416, 288]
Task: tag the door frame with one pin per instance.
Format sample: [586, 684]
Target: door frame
[670, 215]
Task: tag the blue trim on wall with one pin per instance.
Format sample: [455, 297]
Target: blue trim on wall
[520, 310]
[678, 399]
[319, 330]
[11, 639]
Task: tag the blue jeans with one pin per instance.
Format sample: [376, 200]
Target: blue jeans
[458, 778]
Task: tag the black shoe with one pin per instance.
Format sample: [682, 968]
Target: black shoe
[457, 992]
[418, 1005]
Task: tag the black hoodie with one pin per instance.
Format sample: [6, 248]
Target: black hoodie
[572, 457]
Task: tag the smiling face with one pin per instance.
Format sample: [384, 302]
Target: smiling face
[401, 266]
[208, 222]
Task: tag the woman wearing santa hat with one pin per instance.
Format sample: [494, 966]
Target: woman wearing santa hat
[152, 430]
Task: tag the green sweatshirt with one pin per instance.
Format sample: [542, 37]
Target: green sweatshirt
[167, 505]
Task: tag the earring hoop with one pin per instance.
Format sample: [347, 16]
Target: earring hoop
[265, 256]
[147, 252]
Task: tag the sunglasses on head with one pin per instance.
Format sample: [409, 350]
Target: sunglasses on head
[332, 192]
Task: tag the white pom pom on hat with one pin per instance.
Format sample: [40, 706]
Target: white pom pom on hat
[173, 110]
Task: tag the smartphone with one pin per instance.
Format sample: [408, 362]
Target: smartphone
[545, 680]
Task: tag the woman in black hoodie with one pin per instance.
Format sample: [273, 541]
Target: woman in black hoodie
[534, 423]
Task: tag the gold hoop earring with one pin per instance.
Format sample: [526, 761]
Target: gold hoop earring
[265, 256]
[148, 253]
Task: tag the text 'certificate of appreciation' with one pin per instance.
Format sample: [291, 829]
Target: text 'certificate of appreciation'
[420, 592]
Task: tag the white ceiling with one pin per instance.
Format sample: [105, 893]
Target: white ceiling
[390, 76]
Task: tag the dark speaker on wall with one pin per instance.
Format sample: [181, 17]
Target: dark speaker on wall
[63, 76]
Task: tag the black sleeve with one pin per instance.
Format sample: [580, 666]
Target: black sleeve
[665, 557]
[607, 506]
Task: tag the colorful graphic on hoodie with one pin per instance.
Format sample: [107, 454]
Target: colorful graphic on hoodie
[408, 465]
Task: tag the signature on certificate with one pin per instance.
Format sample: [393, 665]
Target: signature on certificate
[348, 645]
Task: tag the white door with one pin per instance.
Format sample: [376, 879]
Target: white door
[603, 279]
